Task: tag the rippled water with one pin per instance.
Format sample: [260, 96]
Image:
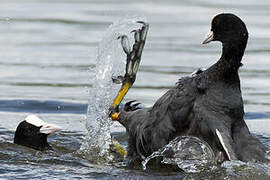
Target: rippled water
[47, 51]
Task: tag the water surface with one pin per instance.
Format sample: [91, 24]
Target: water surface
[47, 48]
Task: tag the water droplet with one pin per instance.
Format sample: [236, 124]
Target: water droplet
[189, 153]
[7, 19]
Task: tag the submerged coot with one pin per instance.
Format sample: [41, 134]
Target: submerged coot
[33, 133]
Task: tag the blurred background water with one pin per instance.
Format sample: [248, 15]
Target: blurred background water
[47, 48]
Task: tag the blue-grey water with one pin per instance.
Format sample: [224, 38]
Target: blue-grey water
[47, 51]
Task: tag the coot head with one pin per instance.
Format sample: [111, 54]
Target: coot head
[227, 28]
[33, 133]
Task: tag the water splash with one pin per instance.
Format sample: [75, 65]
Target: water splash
[189, 153]
[110, 62]
[193, 155]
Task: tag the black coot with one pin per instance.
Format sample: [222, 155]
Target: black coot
[207, 105]
[33, 133]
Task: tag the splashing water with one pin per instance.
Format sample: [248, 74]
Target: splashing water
[193, 155]
[189, 153]
[110, 62]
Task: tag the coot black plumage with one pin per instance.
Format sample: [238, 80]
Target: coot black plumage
[207, 105]
[33, 133]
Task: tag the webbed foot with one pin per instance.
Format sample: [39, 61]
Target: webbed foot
[133, 61]
[117, 148]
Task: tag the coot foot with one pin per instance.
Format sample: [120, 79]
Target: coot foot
[132, 65]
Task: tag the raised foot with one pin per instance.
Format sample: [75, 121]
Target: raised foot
[131, 106]
[133, 61]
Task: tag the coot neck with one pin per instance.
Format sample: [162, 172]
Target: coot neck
[226, 69]
[232, 53]
[44, 143]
